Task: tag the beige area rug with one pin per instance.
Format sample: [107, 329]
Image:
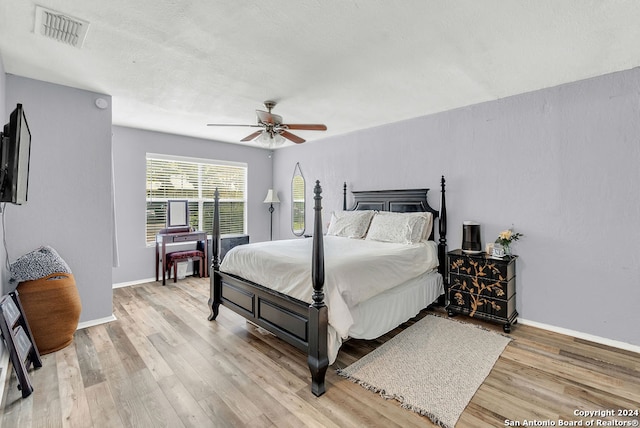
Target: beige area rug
[433, 367]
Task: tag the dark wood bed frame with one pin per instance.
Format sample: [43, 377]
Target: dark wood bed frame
[294, 321]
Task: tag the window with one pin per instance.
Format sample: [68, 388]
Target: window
[174, 177]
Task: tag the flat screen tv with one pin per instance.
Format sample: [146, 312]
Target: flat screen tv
[14, 158]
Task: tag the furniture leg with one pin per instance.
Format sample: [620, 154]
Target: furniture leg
[215, 292]
[317, 358]
[157, 260]
[205, 262]
[164, 262]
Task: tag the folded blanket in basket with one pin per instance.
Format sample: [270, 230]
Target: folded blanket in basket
[37, 264]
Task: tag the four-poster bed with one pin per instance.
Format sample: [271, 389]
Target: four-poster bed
[302, 317]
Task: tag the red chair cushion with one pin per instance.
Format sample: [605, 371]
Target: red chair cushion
[181, 255]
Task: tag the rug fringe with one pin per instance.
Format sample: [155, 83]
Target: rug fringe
[423, 412]
[398, 398]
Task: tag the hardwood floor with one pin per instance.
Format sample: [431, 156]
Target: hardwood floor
[163, 364]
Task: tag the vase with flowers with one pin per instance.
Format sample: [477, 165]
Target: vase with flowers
[506, 238]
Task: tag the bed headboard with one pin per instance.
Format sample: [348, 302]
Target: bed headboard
[399, 201]
[402, 201]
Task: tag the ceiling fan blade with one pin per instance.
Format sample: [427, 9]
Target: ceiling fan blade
[266, 117]
[251, 136]
[306, 126]
[231, 124]
[289, 136]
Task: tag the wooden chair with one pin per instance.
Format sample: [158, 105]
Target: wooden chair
[178, 256]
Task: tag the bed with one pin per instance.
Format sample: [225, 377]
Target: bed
[283, 287]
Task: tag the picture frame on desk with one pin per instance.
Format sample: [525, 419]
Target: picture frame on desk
[497, 250]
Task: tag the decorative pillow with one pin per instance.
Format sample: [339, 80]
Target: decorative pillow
[350, 224]
[429, 223]
[400, 228]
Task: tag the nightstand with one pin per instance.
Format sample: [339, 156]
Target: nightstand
[482, 286]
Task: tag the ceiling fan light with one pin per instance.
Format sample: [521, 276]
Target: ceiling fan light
[269, 140]
[264, 138]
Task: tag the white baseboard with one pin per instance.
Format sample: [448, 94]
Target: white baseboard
[142, 281]
[580, 335]
[130, 283]
[98, 321]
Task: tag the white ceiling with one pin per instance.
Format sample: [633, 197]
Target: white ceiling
[174, 66]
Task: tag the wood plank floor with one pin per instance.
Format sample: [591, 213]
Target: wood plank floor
[163, 364]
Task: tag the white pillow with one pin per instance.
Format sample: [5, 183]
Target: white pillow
[428, 225]
[400, 228]
[350, 224]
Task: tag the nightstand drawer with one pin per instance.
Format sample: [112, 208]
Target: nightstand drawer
[489, 268]
[474, 305]
[486, 287]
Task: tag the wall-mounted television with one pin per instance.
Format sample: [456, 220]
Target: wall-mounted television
[15, 151]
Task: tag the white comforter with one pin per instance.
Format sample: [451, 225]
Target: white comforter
[355, 270]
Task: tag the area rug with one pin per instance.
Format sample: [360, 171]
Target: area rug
[434, 367]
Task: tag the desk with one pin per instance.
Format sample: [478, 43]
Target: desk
[162, 239]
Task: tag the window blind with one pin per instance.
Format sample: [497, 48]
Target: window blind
[172, 177]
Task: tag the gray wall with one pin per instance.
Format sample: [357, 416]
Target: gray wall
[560, 164]
[130, 147]
[69, 202]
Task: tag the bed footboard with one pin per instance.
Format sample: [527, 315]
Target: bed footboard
[297, 323]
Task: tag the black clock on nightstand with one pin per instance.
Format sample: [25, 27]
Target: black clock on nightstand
[482, 286]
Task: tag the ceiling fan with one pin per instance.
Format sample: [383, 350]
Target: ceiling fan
[273, 131]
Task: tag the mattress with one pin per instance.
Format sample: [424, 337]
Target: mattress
[356, 271]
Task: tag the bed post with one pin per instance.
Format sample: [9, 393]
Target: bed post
[216, 281]
[442, 233]
[344, 197]
[318, 358]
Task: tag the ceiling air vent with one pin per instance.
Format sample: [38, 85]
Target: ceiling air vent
[58, 26]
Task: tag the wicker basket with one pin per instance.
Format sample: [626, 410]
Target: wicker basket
[52, 307]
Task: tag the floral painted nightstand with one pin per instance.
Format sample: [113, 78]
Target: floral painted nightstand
[482, 286]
